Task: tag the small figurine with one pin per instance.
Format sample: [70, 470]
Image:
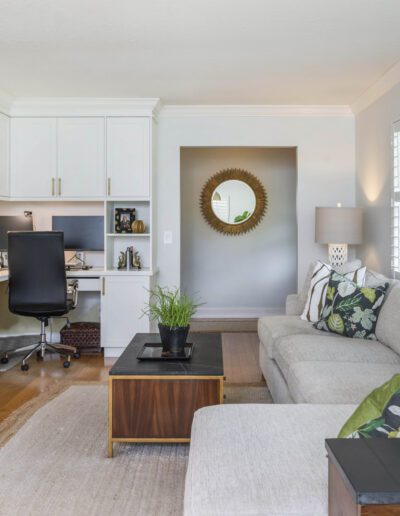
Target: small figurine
[136, 262]
[122, 260]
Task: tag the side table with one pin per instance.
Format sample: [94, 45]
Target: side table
[364, 477]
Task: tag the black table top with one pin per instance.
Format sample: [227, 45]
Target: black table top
[206, 359]
[369, 467]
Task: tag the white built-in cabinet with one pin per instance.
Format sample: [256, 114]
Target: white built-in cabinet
[122, 303]
[91, 158]
[80, 157]
[128, 157]
[4, 155]
[33, 167]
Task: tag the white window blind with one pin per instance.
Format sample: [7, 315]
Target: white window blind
[396, 201]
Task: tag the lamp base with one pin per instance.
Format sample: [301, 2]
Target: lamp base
[337, 254]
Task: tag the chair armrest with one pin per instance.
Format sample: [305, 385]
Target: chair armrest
[292, 305]
[72, 291]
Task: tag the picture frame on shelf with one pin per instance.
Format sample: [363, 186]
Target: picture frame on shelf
[123, 219]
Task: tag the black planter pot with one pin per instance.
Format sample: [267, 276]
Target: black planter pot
[173, 339]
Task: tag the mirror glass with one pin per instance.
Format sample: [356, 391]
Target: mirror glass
[233, 201]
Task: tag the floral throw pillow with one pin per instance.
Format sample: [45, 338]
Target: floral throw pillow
[350, 310]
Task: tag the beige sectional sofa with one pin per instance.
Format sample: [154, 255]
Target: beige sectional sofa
[305, 365]
[270, 459]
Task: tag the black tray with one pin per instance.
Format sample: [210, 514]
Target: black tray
[153, 351]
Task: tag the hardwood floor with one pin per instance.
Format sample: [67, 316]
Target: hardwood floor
[240, 351]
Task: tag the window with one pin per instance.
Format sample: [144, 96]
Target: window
[396, 201]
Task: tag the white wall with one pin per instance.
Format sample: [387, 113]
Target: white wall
[326, 170]
[250, 273]
[374, 177]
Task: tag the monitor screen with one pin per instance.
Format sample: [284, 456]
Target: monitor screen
[13, 223]
[84, 233]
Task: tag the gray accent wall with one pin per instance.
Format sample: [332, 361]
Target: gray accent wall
[254, 270]
[374, 173]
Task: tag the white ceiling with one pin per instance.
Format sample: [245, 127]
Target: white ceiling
[198, 51]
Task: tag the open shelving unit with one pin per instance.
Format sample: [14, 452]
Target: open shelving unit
[117, 242]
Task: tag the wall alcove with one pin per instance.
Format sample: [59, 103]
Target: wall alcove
[248, 274]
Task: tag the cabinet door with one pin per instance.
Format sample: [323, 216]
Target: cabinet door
[33, 157]
[122, 301]
[128, 157]
[4, 155]
[81, 159]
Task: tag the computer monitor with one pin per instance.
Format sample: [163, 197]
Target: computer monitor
[13, 223]
[81, 233]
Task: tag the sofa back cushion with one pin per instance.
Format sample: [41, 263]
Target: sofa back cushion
[388, 325]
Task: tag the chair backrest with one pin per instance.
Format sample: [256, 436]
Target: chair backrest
[36, 265]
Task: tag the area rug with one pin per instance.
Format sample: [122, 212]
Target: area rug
[56, 463]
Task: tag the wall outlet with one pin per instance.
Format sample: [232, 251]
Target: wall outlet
[167, 237]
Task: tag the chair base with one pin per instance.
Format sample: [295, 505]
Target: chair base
[43, 345]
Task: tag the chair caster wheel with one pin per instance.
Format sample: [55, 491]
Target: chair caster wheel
[24, 367]
[66, 364]
[77, 355]
[39, 355]
[4, 360]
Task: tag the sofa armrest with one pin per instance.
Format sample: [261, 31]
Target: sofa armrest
[293, 305]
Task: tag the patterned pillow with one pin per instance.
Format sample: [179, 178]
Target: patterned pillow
[318, 287]
[350, 310]
[378, 415]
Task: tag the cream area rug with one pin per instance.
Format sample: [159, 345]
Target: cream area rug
[56, 464]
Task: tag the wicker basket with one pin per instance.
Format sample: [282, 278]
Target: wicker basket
[85, 336]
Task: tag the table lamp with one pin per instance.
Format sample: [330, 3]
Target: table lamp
[338, 227]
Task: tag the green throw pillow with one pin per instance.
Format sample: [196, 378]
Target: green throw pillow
[350, 310]
[378, 415]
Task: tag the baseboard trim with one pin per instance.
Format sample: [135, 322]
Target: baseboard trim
[236, 313]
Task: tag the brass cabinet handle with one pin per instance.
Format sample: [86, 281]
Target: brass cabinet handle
[103, 286]
[59, 186]
[109, 186]
[53, 186]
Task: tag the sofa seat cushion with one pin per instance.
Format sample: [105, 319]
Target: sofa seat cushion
[320, 348]
[273, 327]
[336, 382]
[261, 459]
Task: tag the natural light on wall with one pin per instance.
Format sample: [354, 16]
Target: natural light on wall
[396, 200]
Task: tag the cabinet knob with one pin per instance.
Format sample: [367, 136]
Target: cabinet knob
[109, 186]
[103, 286]
[53, 186]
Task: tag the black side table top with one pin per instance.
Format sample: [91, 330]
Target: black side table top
[206, 359]
[370, 468]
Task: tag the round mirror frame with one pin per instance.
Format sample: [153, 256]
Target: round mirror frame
[252, 182]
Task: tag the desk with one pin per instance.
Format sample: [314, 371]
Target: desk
[123, 295]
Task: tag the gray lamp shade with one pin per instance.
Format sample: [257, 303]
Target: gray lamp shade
[338, 225]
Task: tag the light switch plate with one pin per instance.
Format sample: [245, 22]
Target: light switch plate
[167, 237]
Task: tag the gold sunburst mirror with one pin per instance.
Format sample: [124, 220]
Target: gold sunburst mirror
[233, 201]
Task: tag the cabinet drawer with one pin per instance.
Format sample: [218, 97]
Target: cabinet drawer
[89, 284]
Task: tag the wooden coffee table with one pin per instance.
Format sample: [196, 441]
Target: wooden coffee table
[154, 402]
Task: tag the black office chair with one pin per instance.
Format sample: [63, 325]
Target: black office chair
[38, 284]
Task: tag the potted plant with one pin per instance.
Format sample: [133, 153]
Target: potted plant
[172, 309]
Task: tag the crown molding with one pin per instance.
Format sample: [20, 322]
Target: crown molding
[6, 102]
[55, 106]
[177, 111]
[388, 80]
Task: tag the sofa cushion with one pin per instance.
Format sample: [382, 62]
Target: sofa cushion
[388, 325]
[315, 348]
[243, 459]
[273, 327]
[349, 310]
[378, 415]
[336, 382]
